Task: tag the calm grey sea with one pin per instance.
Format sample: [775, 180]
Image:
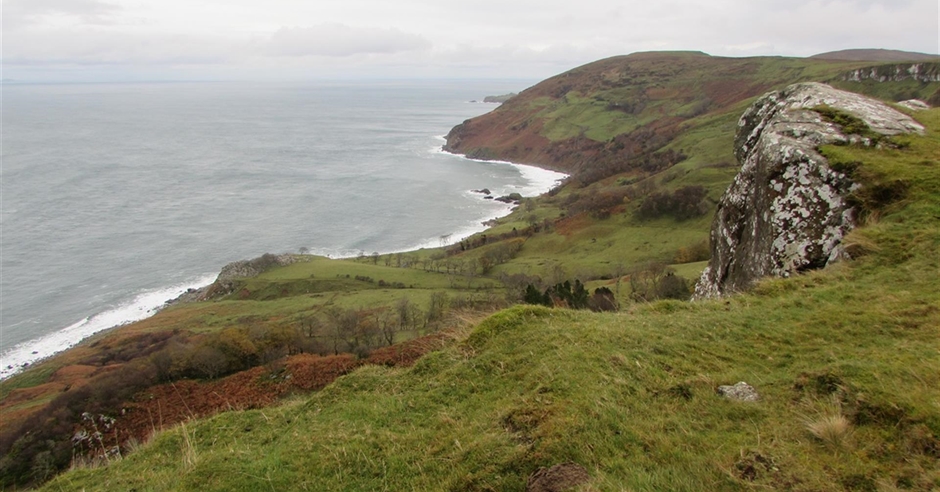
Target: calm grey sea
[118, 197]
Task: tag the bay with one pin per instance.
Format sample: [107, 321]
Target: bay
[118, 197]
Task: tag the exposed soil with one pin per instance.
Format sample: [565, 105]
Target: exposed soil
[754, 466]
[558, 478]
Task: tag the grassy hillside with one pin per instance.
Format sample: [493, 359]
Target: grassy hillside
[630, 127]
[649, 140]
[633, 107]
[845, 361]
[305, 316]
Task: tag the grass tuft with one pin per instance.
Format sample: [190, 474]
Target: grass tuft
[834, 430]
[188, 448]
[829, 425]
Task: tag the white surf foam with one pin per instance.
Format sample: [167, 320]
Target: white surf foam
[470, 229]
[144, 305]
[539, 180]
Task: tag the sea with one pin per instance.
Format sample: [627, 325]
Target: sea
[115, 198]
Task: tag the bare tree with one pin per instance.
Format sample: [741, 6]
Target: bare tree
[403, 310]
[387, 325]
[437, 306]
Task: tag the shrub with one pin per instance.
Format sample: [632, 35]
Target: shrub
[654, 281]
[41, 445]
[564, 294]
[699, 251]
[684, 203]
[602, 300]
[599, 205]
[518, 284]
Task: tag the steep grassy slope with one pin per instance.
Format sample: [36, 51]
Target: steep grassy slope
[845, 360]
[317, 306]
[629, 107]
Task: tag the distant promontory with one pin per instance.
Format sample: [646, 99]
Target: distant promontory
[499, 99]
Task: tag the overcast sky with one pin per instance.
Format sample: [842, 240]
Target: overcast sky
[296, 39]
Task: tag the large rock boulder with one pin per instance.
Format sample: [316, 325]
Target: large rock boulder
[786, 210]
[254, 266]
[226, 283]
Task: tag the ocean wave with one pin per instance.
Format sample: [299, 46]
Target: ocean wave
[141, 306]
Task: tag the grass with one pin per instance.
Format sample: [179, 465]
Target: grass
[845, 361]
[308, 287]
[27, 379]
[532, 387]
[599, 246]
[629, 396]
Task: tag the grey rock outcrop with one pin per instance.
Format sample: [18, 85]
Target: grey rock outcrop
[254, 266]
[225, 283]
[786, 210]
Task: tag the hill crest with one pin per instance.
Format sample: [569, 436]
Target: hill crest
[875, 55]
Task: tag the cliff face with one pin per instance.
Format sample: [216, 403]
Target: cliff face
[924, 72]
[786, 210]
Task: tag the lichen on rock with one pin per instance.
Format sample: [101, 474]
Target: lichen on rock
[786, 210]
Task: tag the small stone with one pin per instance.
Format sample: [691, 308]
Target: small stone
[741, 392]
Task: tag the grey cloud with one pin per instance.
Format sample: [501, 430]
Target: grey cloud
[101, 47]
[338, 40]
[525, 38]
[21, 13]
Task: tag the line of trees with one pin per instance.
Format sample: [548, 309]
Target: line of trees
[571, 295]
